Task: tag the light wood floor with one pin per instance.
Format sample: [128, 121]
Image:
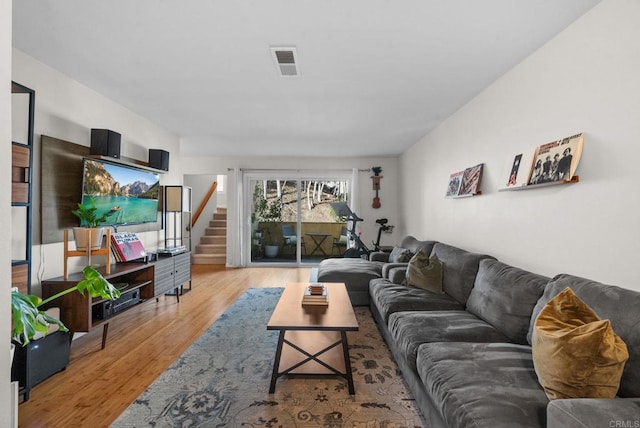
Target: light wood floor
[98, 385]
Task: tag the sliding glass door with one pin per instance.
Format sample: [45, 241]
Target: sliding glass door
[291, 219]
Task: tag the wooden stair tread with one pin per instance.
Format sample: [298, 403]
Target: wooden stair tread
[212, 248]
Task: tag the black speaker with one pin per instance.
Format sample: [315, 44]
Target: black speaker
[159, 159]
[105, 142]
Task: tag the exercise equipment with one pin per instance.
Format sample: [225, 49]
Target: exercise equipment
[359, 249]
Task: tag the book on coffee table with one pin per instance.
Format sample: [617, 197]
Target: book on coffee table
[315, 295]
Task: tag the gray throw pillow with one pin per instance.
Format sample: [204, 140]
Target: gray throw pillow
[424, 272]
[400, 255]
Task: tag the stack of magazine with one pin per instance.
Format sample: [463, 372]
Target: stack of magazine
[315, 295]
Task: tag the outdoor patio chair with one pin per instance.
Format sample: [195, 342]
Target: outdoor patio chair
[340, 243]
[290, 239]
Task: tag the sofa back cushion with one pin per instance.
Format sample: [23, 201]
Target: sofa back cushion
[400, 255]
[504, 296]
[459, 270]
[619, 305]
[413, 245]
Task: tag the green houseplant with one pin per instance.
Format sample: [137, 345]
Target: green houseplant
[27, 319]
[267, 211]
[88, 215]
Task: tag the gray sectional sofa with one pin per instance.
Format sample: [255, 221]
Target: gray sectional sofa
[357, 273]
[466, 353]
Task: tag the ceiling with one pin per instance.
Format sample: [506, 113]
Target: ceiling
[375, 75]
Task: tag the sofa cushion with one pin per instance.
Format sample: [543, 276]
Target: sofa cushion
[389, 298]
[388, 267]
[618, 305]
[575, 353]
[425, 272]
[504, 296]
[594, 412]
[396, 274]
[411, 329]
[354, 273]
[413, 245]
[379, 256]
[459, 270]
[400, 255]
[482, 384]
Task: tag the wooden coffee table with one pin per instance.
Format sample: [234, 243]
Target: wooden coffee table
[316, 336]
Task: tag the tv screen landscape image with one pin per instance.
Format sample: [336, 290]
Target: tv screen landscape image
[129, 194]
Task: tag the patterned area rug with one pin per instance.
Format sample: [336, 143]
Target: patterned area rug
[222, 380]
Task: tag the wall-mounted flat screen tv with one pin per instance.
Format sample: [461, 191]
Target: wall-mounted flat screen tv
[129, 194]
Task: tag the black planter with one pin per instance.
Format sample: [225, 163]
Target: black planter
[40, 359]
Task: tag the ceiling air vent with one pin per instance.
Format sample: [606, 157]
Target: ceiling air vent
[286, 61]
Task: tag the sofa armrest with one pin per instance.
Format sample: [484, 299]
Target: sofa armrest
[387, 267]
[593, 412]
[397, 275]
[379, 256]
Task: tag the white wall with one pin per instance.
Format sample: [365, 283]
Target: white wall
[587, 80]
[67, 110]
[5, 207]
[388, 193]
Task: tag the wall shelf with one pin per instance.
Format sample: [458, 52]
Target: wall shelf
[123, 160]
[574, 179]
[468, 195]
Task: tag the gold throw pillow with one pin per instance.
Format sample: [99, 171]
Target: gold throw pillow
[575, 353]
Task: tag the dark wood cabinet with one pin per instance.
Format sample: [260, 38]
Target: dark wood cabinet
[77, 310]
[152, 279]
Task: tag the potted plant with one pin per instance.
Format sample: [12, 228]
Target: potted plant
[271, 247]
[29, 322]
[88, 215]
[267, 211]
[27, 319]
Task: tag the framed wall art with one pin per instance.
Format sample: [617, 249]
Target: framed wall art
[465, 183]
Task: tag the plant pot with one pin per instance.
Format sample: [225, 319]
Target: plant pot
[271, 250]
[81, 235]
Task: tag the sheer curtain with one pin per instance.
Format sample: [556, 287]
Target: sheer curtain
[235, 221]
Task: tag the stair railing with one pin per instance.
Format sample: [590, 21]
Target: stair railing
[203, 204]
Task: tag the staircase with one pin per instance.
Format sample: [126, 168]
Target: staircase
[212, 249]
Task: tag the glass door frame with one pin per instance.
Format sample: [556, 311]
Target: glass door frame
[289, 175]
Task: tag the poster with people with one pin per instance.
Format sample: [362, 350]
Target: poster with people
[556, 161]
